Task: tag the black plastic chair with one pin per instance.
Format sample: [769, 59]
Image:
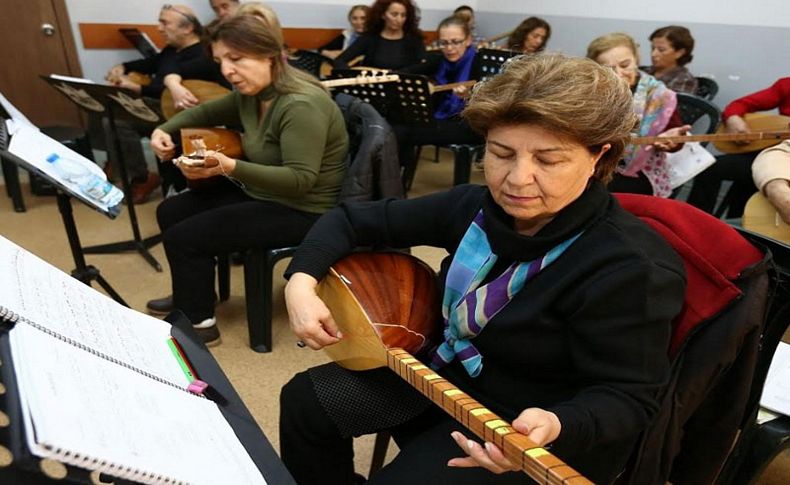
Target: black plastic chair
[759, 443]
[308, 61]
[693, 108]
[707, 88]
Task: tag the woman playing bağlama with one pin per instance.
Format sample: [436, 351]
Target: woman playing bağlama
[457, 63]
[670, 51]
[643, 169]
[357, 17]
[392, 39]
[573, 296]
[531, 36]
[295, 142]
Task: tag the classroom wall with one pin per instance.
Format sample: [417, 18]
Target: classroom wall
[294, 13]
[744, 46]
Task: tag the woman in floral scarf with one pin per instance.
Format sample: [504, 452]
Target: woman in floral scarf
[643, 169]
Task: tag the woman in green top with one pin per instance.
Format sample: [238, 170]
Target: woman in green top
[295, 144]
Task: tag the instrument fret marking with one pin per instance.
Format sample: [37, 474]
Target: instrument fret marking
[466, 410]
[561, 472]
[437, 386]
[458, 410]
[420, 383]
[492, 427]
[448, 400]
[478, 419]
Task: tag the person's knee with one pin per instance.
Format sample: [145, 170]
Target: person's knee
[297, 395]
[171, 211]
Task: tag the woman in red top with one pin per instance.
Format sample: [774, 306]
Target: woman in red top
[738, 166]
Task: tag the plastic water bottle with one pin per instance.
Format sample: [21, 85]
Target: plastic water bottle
[89, 183]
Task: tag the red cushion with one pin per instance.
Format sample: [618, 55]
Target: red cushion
[714, 254]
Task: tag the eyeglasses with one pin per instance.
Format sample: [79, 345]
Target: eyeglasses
[192, 19]
[444, 44]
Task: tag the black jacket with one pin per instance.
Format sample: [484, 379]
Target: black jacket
[190, 62]
[382, 53]
[586, 338]
[374, 171]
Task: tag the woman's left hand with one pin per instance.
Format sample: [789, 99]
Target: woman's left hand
[462, 91]
[539, 425]
[216, 164]
[667, 146]
[183, 98]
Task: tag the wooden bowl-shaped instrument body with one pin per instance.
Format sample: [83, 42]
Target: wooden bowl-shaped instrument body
[202, 90]
[228, 141]
[756, 122]
[381, 301]
[218, 139]
[760, 216]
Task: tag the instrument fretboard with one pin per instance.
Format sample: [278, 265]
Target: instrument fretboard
[764, 135]
[536, 461]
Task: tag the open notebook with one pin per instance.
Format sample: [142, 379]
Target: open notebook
[100, 388]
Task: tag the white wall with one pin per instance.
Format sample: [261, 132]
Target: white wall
[773, 13]
[744, 46]
[293, 13]
[96, 62]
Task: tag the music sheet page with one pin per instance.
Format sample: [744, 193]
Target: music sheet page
[99, 411]
[776, 393]
[51, 298]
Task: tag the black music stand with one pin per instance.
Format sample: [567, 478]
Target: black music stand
[412, 100]
[140, 41]
[83, 272]
[104, 100]
[491, 60]
[26, 468]
[379, 95]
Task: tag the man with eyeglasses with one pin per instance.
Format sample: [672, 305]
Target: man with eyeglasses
[183, 56]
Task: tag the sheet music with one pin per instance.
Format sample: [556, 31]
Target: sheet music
[776, 392]
[71, 78]
[49, 297]
[99, 411]
[17, 118]
[150, 42]
[34, 147]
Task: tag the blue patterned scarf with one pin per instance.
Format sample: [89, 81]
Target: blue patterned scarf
[467, 307]
[453, 72]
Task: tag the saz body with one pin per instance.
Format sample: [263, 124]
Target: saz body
[387, 307]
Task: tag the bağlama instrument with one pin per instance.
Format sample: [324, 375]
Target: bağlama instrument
[386, 306]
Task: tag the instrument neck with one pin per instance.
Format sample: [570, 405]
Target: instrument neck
[534, 460]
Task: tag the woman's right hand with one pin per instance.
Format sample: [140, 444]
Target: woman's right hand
[309, 317]
[114, 74]
[162, 144]
[736, 124]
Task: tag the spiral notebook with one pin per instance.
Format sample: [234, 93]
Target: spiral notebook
[100, 389]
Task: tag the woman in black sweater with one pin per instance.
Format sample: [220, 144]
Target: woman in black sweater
[458, 62]
[575, 350]
[392, 40]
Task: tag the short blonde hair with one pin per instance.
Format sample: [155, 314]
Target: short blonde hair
[265, 13]
[575, 98]
[601, 44]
